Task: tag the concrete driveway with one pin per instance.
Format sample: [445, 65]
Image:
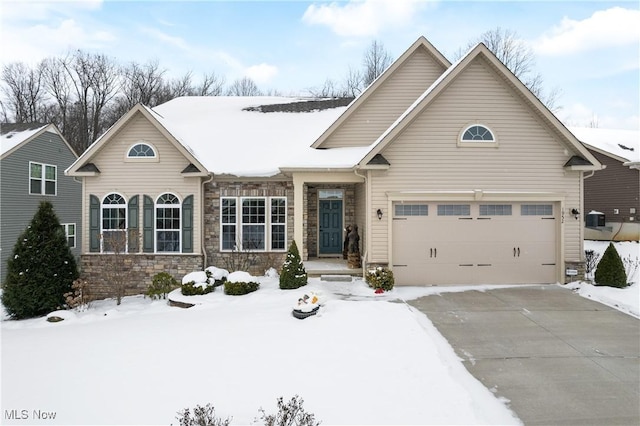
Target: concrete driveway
[557, 357]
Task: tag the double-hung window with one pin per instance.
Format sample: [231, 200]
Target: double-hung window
[168, 225]
[114, 224]
[42, 179]
[70, 233]
[253, 223]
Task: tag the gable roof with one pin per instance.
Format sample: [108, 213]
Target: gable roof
[15, 135]
[622, 145]
[233, 135]
[420, 43]
[450, 75]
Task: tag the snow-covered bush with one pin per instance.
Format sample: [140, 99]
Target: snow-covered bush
[380, 278]
[610, 271]
[239, 283]
[161, 285]
[290, 414]
[218, 275]
[42, 268]
[202, 416]
[79, 297]
[293, 274]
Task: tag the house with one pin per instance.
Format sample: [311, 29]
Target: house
[33, 158]
[454, 173]
[612, 196]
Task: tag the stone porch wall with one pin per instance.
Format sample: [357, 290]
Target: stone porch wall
[256, 263]
[578, 266]
[138, 270]
[311, 214]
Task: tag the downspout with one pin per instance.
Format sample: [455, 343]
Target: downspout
[368, 209]
[203, 208]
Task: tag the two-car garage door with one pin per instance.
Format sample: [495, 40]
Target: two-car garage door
[474, 243]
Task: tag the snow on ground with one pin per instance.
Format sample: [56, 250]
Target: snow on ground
[364, 359]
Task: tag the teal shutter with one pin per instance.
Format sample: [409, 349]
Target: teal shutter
[94, 224]
[187, 225]
[134, 225]
[147, 225]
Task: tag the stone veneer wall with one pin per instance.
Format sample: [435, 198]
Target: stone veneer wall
[578, 266]
[311, 213]
[139, 270]
[259, 261]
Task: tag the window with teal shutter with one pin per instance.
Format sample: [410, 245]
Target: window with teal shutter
[94, 224]
[147, 225]
[134, 225]
[187, 225]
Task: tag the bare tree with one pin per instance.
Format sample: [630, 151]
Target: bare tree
[352, 85]
[329, 89]
[243, 87]
[376, 59]
[212, 85]
[516, 55]
[24, 90]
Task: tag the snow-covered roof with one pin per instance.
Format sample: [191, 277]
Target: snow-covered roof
[621, 143]
[12, 135]
[229, 136]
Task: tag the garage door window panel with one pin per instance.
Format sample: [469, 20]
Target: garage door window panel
[454, 209]
[402, 210]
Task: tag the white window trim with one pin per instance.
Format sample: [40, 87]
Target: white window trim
[267, 224]
[156, 206]
[477, 144]
[154, 159]
[44, 180]
[126, 221]
[66, 226]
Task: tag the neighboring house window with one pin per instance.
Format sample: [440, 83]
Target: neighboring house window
[411, 210]
[168, 224]
[141, 150]
[114, 223]
[70, 232]
[42, 179]
[246, 224]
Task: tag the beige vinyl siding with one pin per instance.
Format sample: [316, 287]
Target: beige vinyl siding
[426, 157]
[152, 178]
[386, 104]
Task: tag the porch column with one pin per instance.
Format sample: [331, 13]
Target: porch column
[298, 212]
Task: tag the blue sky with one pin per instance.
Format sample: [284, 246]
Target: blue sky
[588, 50]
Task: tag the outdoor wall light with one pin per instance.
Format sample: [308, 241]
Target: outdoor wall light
[379, 213]
[575, 213]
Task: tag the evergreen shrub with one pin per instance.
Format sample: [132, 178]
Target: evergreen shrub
[161, 285]
[293, 275]
[610, 271]
[239, 288]
[191, 289]
[41, 269]
[380, 278]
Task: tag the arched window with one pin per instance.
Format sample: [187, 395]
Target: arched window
[141, 150]
[477, 133]
[114, 223]
[168, 224]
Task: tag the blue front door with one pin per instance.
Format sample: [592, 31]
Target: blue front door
[330, 239]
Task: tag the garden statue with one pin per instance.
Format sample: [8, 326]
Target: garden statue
[345, 245]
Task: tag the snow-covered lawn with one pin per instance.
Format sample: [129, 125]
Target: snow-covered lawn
[364, 359]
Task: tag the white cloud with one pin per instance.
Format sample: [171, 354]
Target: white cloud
[261, 73]
[605, 28]
[362, 18]
[580, 115]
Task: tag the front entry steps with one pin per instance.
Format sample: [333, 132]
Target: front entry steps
[331, 269]
[336, 278]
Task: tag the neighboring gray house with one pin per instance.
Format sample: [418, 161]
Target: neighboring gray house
[33, 158]
[612, 195]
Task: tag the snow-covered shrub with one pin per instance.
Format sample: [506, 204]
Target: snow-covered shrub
[161, 285]
[293, 275]
[610, 271]
[42, 268]
[218, 275]
[631, 268]
[202, 416]
[590, 260]
[380, 278]
[290, 414]
[239, 283]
